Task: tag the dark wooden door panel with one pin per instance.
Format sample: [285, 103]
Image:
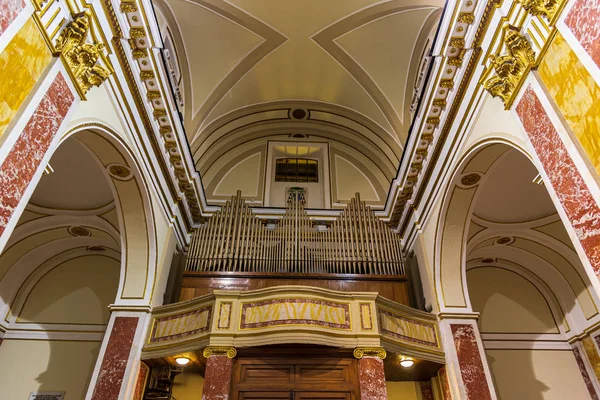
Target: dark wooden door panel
[265, 396]
[323, 396]
[266, 373]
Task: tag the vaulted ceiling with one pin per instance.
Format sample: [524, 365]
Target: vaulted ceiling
[245, 65]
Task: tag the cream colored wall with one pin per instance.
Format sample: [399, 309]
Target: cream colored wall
[38, 365]
[77, 291]
[508, 303]
[402, 390]
[188, 386]
[536, 375]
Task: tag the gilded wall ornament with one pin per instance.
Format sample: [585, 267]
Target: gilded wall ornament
[538, 8]
[81, 57]
[511, 68]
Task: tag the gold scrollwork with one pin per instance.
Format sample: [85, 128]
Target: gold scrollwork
[81, 57]
[511, 68]
[361, 352]
[209, 351]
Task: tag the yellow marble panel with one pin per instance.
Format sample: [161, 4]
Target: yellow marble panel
[295, 312]
[575, 93]
[592, 354]
[21, 65]
[406, 329]
[181, 325]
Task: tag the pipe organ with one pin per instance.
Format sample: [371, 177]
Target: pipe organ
[235, 240]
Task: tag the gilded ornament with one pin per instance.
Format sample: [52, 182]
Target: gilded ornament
[165, 129]
[137, 33]
[81, 57]
[140, 53]
[146, 75]
[466, 18]
[160, 112]
[210, 351]
[458, 43]
[433, 121]
[545, 8]
[128, 6]
[510, 68]
[361, 352]
[439, 103]
[153, 94]
[447, 83]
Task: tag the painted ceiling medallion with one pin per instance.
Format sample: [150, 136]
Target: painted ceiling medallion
[504, 240]
[119, 171]
[471, 179]
[299, 113]
[79, 231]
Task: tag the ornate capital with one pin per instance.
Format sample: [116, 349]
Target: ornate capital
[542, 8]
[510, 67]
[209, 351]
[81, 58]
[361, 352]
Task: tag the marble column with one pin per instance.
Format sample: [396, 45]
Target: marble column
[583, 21]
[466, 374]
[371, 376]
[569, 186]
[217, 376]
[9, 10]
[118, 369]
[24, 159]
[140, 383]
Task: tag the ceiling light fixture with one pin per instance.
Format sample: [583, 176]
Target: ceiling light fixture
[407, 362]
[182, 360]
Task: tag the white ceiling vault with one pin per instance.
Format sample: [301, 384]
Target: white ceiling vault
[245, 65]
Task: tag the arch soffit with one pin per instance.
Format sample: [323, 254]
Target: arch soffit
[134, 209]
[453, 220]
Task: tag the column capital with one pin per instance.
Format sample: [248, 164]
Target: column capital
[209, 351]
[361, 352]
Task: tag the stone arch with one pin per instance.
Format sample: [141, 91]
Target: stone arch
[134, 208]
[452, 226]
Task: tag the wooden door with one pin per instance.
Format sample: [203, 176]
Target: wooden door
[294, 379]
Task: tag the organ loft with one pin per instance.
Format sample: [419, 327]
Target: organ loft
[299, 200]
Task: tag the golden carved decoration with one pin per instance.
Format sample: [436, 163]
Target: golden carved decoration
[447, 83]
[466, 18]
[439, 103]
[160, 112]
[209, 351]
[137, 33]
[165, 129]
[459, 43]
[80, 57]
[139, 53]
[511, 68]
[128, 6]
[361, 352]
[153, 95]
[119, 171]
[433, 121]
[542, 8]
[146, 75]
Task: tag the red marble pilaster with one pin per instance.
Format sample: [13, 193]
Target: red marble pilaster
[371, 379]
[115, 359]
[17, 170]
[443, 377]
[140, 383]
[584, 374]
[470, 362]
[9, 10]
[570, 188]
[584, 21]
[217, 378]
[426, 390]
